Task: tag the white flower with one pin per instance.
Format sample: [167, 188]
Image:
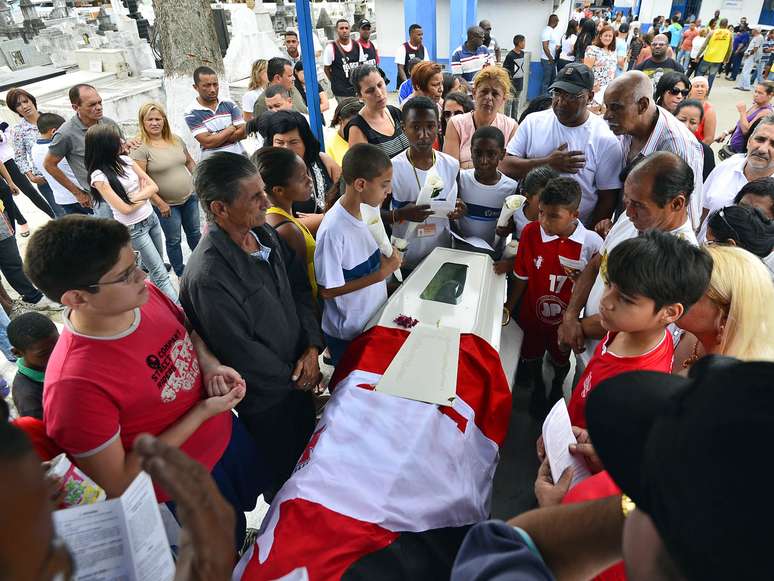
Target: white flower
[514, 202]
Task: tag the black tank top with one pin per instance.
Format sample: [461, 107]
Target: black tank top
[343, 64]
[412, 52]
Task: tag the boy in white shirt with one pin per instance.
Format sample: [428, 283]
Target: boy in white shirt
[48, 123]
[351, 272]
[411, 169]
[484, 188]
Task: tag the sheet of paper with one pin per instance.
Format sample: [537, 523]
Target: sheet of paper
[442, 208]
[474, 241]
[573, 264]
[557, 437]
[94, 535]
[150, 548]
[425, 368]
[120, 539]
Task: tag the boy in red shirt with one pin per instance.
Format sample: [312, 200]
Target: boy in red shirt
[650, 282]
[126, 363]
[547, 284]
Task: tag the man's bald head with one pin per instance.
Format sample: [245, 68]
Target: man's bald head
[658, 47]
[475, 37]
[629, 104]
[724, 23]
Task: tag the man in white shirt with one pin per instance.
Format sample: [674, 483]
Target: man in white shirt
[731, 175]
[548, 41]
[490, 42]
[572, 141]
[657, 192]
[643, 128]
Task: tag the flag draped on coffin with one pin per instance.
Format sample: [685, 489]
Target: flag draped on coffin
[387, 486]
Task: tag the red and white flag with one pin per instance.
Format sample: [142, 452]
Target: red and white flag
[382, 470]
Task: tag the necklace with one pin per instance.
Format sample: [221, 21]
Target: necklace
[416, 175]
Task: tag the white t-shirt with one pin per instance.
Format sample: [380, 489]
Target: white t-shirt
[521, 220]
[552, 36]
[61, 195]
[484, 204]
[622, 230]
[696, 44]
[568, 46]
[346, 251]
[131, 183]
[722, 185]
[249, 99]
[434, 231]
[541, 133]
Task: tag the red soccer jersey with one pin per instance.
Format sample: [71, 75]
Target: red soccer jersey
[605, 364]
[99, 389]
[537, 261]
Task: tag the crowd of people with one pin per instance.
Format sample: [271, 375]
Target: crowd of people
[639, 257]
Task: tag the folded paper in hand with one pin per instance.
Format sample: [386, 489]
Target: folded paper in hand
[557, 437]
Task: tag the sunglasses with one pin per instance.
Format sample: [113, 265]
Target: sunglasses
[675, 91]
[450, 114]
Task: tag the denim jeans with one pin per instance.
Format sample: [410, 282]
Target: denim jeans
[684, 58]
[75, 208]
[146, 239]
[549, 74]
[47, 193]
[709, 70]
[13, 271]
[187, 216]
[512, 106]
[5, 345]
[743, 81]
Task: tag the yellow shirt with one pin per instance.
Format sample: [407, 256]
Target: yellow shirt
[308, 240]
[337, 147]
[717, 46]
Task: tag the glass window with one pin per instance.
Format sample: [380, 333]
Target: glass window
[447, 284]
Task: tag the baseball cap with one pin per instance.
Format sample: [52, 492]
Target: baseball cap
[365, 23]
[574, 78]
[694, 454]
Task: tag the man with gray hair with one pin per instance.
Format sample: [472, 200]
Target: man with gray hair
[731, 175]
[644, 128]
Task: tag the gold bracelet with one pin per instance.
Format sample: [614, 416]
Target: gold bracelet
[627, 505]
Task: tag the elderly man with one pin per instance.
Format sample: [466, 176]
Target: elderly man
[248, 296]
[731, 175]
[573, 142]
[657, 194]
[659, 63]
[643, 128]
[471, 56]
[279, 71]
[69, 143]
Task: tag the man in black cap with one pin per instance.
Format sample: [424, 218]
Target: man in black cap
[572, 141]
[684, 452]
[369, 55]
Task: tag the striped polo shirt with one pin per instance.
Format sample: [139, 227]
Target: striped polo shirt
[201, 119]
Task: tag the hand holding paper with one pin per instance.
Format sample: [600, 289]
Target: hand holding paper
[373, 221]
[557, 437]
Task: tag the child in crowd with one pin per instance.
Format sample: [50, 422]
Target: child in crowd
[546, 283]
[411, 170]
[119, 181]
[336, 146]
[650, 282]
[530, 187]
[351, 272]
[126, 364]
[514, 64]
[48, 123]
[33, 337]
[483, 188]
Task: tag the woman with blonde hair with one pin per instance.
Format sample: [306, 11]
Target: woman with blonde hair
[491, 88]
[165, 158]
[734, 316]
[258, 81]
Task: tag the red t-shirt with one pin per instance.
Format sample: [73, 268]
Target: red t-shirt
[537, 260]
[142, 381]
[605, 364]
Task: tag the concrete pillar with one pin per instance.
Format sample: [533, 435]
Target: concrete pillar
[422, 12]
[306, 40]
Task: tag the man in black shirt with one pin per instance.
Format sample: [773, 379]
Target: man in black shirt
[340, 58]
[659, 63]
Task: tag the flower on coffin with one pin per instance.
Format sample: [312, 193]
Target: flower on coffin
[405, 321]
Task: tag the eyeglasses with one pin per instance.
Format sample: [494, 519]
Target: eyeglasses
[450, 114]
[565, 96]
[125, 278]
[675, 91]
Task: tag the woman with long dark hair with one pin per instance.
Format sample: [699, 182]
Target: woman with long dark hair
[127, 189]
[567, 54]
[289, 129]
[286, 182]
[586, 36]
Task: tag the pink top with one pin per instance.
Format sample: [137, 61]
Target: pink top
[466, 128]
